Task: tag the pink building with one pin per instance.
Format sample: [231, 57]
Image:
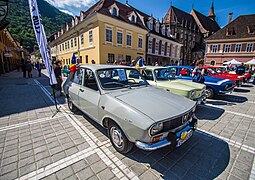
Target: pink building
[235, 41]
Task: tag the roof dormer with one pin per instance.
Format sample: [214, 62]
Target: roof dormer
[67, 27]
[114, 10]
[76, 20]
[81, 16]
[132, 17]
[157, 26]
[73, 22]
[59, 33]
[168, 32]
[150, 24]
[62, 31]
[163, 30]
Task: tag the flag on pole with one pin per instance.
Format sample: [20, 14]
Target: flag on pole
[41, 39]
[139, 63]
[73, 64]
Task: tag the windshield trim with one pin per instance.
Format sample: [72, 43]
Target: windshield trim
[156, 78]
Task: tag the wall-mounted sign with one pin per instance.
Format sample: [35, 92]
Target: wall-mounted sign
[8, 55]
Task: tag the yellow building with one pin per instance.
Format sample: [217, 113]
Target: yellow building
[10, 51]
[106, 32]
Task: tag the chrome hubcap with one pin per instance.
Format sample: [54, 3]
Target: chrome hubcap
[208, 93]
[116, 137]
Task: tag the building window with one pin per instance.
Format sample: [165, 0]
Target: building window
[150, 44]
[119, 37]
[114, 12]
[133, 19]
[212, 63]
[82, 39]
[249, 47]
[128, 60]
[163, 48]
[238, 47]
[156, 47]
[60, 47]
[168, 50]
[63, 47]
[227, 47]
[87, 59]
[71, 43]
[108, 35]
[75, 42]
[111, 58]
[68, 45]
[140, 43]
[90, 36]
[129, 40]
[214, 48]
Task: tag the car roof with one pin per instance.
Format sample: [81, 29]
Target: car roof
[95, 67]
[182, 66]
[154, 67]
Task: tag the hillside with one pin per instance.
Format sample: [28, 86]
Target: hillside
[21, 26]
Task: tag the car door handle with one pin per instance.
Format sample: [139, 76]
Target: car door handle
[81, 90]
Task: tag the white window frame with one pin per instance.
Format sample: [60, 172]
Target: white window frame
[106, 37]
[130, 17]
[156, 46]
[168, 49]
[75, 42]
[238, 48]
[117, 9]
[162, 48]
[150, 41]
[140, 44]
[71, 43]
[129, 34]
[82, 39]
[117, 39]
[91, 36]
[227, 48]
[214, 48]
[249, 47]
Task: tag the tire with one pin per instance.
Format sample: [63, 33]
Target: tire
[71, 106]
[119, 139]
[209, 93]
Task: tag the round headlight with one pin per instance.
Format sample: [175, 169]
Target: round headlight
[192, 93]
[156, 128]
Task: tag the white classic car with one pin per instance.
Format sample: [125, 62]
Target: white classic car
[134, 112]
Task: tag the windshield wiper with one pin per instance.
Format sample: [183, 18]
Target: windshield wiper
[118, 83]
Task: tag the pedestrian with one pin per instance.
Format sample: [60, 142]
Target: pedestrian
[23, 68]
[156, 63]
[133, 62]
[240, 70]
[93, 61]
[29, 69]
[39, 68]
[115, 62]
[198, 73]
[58, 74]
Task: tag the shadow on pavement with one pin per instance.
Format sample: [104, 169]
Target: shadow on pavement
[247, 85]
[231, 98]
[208, 112]
[241, 90]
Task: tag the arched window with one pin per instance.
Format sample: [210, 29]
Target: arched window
[133, 19]
[114, 12]
[212, 63]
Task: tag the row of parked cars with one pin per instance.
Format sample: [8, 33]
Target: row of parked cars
[151, 108]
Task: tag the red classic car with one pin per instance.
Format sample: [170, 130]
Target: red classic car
[217, 72]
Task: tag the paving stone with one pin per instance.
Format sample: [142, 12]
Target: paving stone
[239, 173]
[148, 176]
[9, 160]
[25, 154]
[105, 174]
[51, 177]
[9, 175]
[85, 173]
[79, 165]
[27, 169]
[9, 168]
[98, 166]
[138, 169]
[55, 150]
[64, 173]
[25, 148]
[71, 151]
[44, 162]
[26, 161]
[42, 155]
[93, 159]
[10, 153]
[58, 156]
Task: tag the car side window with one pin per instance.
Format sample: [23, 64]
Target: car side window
[77, 77]
[90, 80]
[185, 72]
[147, 74]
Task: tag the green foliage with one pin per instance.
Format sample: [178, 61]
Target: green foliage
[21, 25]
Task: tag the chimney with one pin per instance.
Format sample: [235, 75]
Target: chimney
[230, 17]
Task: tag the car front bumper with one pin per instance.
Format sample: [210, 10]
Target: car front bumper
[173, 139]
[200, 99]
[226, 91]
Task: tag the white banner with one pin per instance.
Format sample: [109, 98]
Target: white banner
[41, 39]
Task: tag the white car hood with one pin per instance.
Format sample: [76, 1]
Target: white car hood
[155, 103]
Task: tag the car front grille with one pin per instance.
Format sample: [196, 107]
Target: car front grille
[176, 122]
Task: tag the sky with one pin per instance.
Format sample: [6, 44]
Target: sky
[158, 8]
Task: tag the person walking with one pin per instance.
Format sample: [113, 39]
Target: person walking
[58, 74]
[23, 68]
[198, 73]
[29, 69]
[39, 68]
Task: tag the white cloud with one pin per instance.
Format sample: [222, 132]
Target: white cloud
[66, 11]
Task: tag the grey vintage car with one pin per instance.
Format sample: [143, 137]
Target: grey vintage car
[134, 112]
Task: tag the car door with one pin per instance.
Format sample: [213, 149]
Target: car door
[89, 94]
[75, 85]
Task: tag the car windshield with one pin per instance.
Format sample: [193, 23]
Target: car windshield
[165, 74]
[211, 71]
[217, 70]
[118, 78]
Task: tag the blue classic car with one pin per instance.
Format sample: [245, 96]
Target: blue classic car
[213, 85]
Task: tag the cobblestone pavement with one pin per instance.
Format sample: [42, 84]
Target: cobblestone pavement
[36, 142]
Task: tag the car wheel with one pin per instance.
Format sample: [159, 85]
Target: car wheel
[118, 139]
[209, 93]
[71, 106]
